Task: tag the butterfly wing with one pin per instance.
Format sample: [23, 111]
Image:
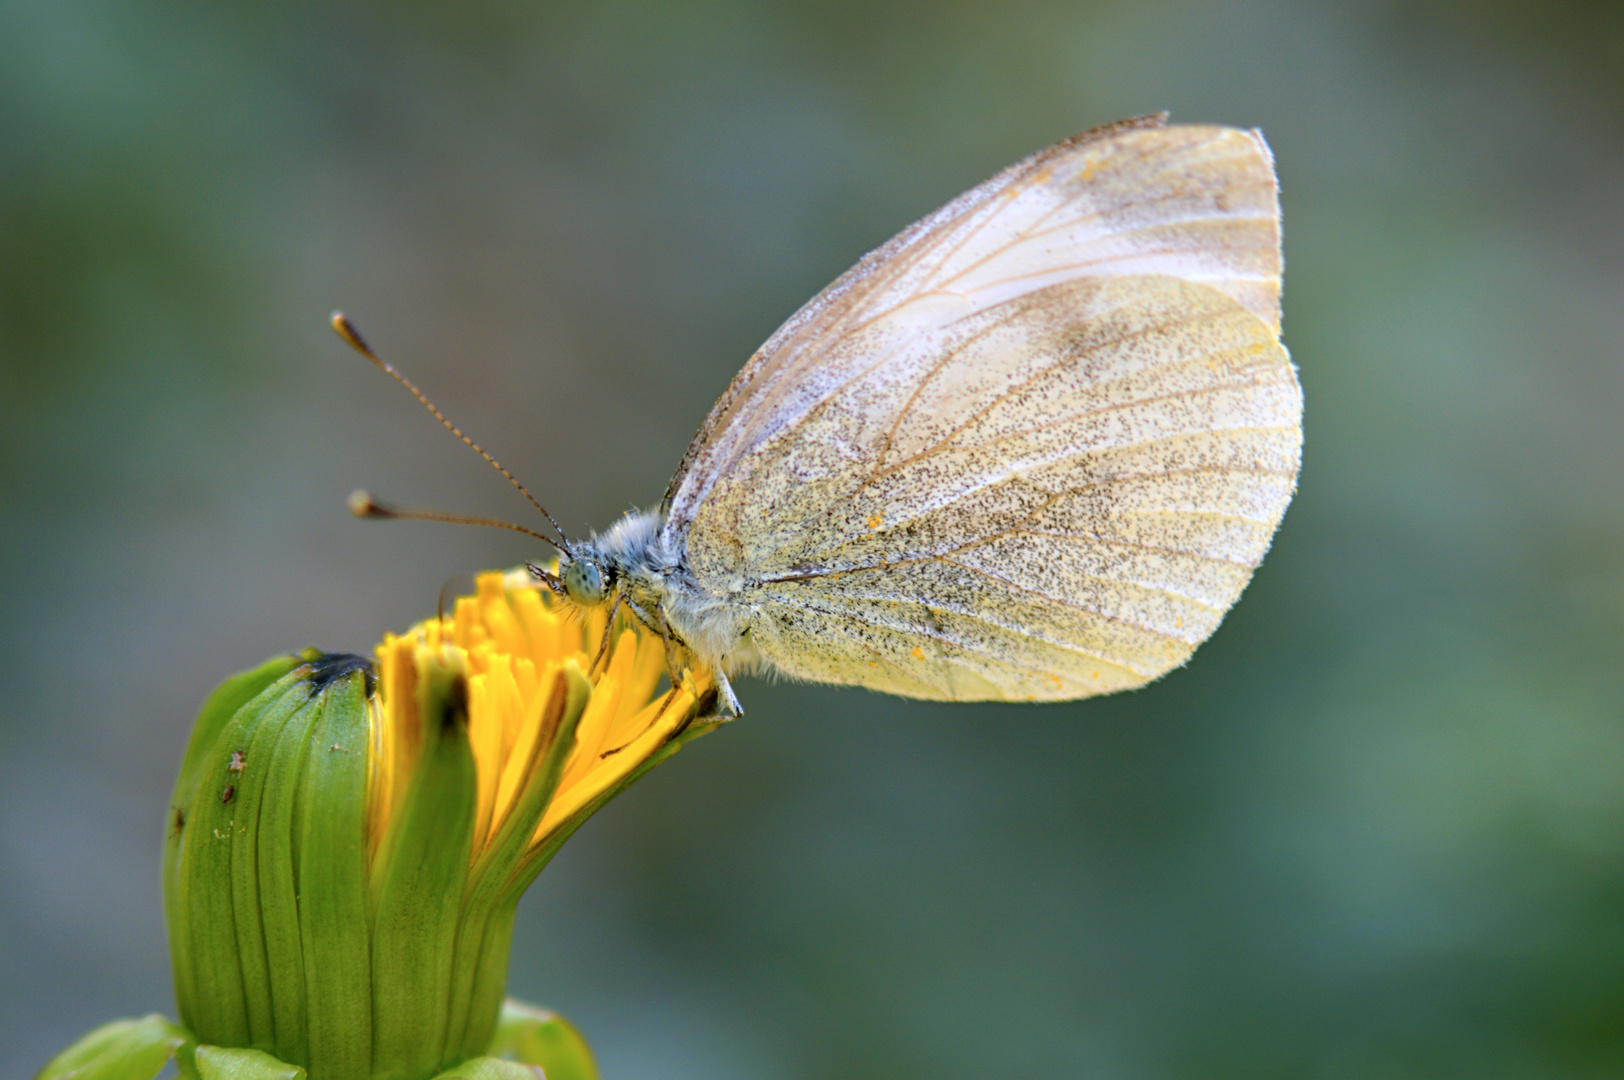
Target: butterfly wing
[1032, 448]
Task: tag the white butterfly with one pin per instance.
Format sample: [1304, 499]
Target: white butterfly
[1031, 449]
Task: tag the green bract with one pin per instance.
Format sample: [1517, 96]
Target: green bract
[265, 867]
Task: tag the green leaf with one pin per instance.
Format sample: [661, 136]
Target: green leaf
[122, 1050]
[489, 1068]
[224, 1063]
[544, 1038]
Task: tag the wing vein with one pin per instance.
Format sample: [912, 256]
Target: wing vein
[989, 575]
[950, 354]
[937, 635]
[945, 444]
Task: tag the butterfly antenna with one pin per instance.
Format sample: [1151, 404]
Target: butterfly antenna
[353, 338]
[363, 505]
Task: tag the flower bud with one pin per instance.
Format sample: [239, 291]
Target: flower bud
[348, 839]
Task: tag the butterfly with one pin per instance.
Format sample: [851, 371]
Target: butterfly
[1031, 449]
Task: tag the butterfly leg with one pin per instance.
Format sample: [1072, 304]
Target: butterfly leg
[608, 630]
[662, 628]
[727, 703]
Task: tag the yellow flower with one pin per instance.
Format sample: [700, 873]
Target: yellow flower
[348, 841]
[519, 649]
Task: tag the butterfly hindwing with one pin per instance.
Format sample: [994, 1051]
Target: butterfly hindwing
[1032, 448]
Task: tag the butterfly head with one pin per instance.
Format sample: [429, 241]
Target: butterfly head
[587, 579]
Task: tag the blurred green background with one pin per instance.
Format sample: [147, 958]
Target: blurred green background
[1374, 830]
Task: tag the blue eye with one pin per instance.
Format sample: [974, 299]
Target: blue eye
[583, 581]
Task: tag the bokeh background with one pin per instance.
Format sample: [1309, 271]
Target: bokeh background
[1374, 830]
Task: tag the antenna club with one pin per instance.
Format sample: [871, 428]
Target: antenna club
[352, 337]
[363, 505]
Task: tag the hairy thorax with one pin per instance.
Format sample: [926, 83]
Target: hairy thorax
[657, 583]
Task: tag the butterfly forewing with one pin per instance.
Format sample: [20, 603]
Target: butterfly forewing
[1032, 448]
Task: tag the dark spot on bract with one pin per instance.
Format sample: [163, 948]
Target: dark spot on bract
[228, 794]
[330, 667]
[179, 818]
[455, 709]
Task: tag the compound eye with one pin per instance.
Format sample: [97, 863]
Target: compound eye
[583, 581]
